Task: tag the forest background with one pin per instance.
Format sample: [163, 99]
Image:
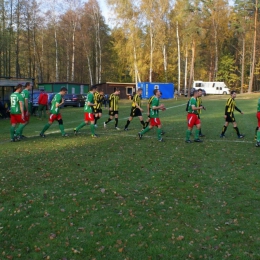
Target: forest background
[145, 40]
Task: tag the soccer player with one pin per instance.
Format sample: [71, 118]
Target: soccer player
[55, 115]
[136, 109]
[17, 113]
[98, 100]
[113, 108]
[192, 118]
[148, 110]
[88, 111]
[229, 115]
[154, 115]
[199, 103]
[258, 127]
[27, 105]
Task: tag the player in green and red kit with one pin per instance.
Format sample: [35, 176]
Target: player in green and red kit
[154, 116]
[55, 115]
[192, 118]
[27, 105]
[89, 113]
[17, 113]
[258, 126]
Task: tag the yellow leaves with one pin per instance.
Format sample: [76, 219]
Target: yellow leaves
[37, 249]
[180, 238]
[101, 248]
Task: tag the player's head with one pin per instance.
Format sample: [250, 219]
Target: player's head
[195, 93]
[140, 91]
[200, 92]
[156, 92]
[93, 89]
[117, 91]
[63, 91]
[233, 93]
[101, 93]
[18, 88]
[28, 85]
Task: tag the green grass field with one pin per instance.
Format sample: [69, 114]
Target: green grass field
[118, 197]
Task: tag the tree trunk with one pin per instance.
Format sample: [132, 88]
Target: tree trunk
[56, 56]
[252, 71]
[186, 70]
[179, 58]
[151, 53]
[193, 48]
[89, 70]
[68, 62]
[165, 63]
[216, 49]
[243, 64]
[18, 74]
[73, 53]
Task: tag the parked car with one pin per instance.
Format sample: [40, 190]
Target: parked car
[75, 100]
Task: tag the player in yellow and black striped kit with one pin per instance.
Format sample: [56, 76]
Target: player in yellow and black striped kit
[229, 115]
[199, 103]
[136, 109]
[113, 108]
[97, 109]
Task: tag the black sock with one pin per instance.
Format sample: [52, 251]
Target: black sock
[236, 129]
[200, 133]
[143, 124]
[108, 120]
[256, 130]
[146, 124]
[127, 123]
[96, 119]
[116, 119]
[224, 129]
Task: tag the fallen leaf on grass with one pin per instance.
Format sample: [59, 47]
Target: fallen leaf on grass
[180, 238]
[120, 250]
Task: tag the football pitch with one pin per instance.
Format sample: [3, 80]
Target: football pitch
[118, 197]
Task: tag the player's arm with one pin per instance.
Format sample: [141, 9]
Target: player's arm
[196, 108]
[91, 104]
[158, 107]
[21, 108]
[237, 109]
[58, 104]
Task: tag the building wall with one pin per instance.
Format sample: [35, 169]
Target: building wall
[73, 88]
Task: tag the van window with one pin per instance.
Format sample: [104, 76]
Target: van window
[217, 88]
[220, 88]
[213, 85]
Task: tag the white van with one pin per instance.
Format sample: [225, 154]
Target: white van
[212, 87]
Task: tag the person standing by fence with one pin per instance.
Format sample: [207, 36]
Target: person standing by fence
[43, 102]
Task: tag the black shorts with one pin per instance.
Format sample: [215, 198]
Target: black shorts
[230, 118]
[97, 110]
[113, 113]
[135, 112]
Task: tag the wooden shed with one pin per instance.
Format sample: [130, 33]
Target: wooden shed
[126, 89]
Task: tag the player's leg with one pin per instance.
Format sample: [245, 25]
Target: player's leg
[92, 125]
[128, 122]
[159, 131]
[147, 121]
[190, 122]
[258, 130]
[197, 133]
[46, 127]
[141, 120]
[200, 132]
[81, 125]
[147, 129]
[12, 128]
[22, 126]
[237, 130]
[61, 126]
[116, 121]
[111, 116]
[224, 129]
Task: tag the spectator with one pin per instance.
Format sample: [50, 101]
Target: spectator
[43, 102]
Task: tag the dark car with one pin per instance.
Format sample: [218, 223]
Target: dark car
[75, 100]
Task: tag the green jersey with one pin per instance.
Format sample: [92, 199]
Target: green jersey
[15, 100]
[154, 113]
[26, 95]
[193, 102]
[57, 99]
[258, 105]
[90, 98]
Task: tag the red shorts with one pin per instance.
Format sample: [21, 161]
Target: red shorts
[193, 120]
[155, 122]
[54, 117]
[17, 118]
[89, 117]
[258, 118]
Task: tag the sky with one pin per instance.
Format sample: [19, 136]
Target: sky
[105, 10]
